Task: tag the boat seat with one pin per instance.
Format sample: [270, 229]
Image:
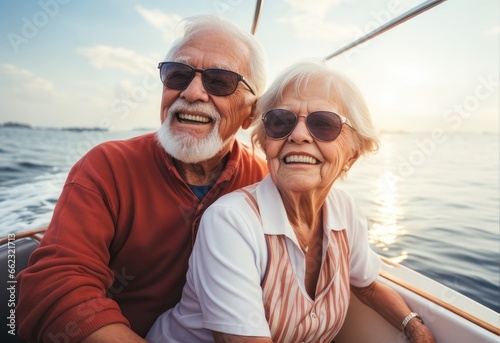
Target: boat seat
[20, 249]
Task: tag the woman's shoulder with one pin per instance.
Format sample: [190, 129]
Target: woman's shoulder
[342, 210]
[340, 196]
[235, 217]
[237, 198]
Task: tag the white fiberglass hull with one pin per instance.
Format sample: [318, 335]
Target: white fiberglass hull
[451, 316]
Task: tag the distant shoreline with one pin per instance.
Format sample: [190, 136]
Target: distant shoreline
[14, 125]
[29, 127]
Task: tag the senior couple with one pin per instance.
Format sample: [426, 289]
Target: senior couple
[278, 248]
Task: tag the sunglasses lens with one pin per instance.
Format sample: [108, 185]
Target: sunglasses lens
[323, 125]
[279, 123]
[216, 81]
[220, 82]
[176, 75]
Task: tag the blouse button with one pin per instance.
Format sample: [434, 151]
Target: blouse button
[313, 315]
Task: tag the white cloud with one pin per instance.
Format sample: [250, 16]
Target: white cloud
[308, 26]
[493, 31]
[165, 23]
[319, 9]
[311, 22]
[28, 98]
[103, 56]
[26, 79]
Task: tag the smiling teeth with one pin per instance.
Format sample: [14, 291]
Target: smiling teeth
[191, 117]
[301, 159]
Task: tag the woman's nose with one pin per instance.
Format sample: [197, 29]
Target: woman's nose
[300, 133]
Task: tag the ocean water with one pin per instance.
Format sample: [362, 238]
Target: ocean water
[432, 203]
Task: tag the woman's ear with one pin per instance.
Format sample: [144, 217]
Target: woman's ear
[353, 158]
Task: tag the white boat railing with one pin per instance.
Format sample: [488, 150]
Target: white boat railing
[441, 296]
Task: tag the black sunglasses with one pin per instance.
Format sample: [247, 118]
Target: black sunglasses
[322, 125]
[218, 82]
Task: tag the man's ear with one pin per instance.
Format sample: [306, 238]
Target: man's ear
[248, 120]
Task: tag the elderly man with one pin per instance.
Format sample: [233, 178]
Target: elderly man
[116, 252]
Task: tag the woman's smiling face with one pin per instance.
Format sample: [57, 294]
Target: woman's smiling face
[300, 163]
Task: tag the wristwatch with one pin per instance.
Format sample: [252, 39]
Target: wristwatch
[407, 320]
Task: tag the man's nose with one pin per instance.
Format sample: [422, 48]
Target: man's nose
[195, 91]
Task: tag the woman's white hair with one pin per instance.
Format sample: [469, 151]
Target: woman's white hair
[244, 42]
[337, 88]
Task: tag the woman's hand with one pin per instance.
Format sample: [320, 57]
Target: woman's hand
[392, 307]
[417, 332]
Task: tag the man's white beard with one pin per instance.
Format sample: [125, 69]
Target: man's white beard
[184, 147]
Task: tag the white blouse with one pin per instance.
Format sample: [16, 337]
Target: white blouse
[223, 289]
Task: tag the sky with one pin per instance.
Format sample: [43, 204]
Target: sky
[67, 63]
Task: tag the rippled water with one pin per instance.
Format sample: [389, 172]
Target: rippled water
[432, 205]
[435, 208]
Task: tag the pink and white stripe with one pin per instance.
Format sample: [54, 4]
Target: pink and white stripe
[291, 314]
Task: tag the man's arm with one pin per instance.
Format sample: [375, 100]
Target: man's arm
[62, 293]
[114, 333]
[227, 338]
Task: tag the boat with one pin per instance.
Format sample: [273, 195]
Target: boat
[451, 316]
[15, 250]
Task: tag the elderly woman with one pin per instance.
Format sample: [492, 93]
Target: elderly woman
[275, 262]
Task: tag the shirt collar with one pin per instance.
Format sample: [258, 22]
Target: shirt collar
[273, 214]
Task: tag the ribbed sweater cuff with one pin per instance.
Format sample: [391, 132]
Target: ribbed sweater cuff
[80, 321]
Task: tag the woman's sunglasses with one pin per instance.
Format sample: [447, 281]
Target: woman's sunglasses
[218, 82]
[322, 125]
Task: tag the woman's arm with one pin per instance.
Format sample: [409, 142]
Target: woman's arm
[392, 307]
